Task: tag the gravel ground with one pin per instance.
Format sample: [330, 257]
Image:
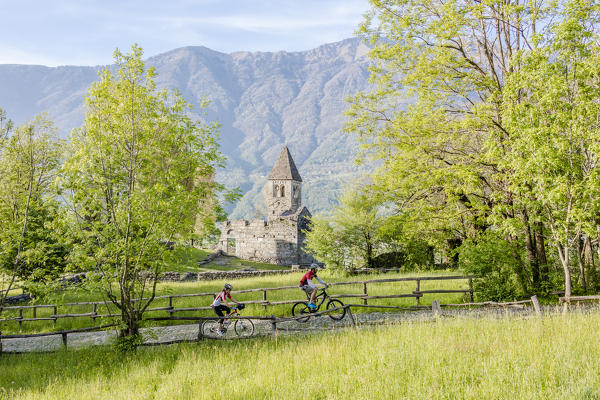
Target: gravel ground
[179, 333]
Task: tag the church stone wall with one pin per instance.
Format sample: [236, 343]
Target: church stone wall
[274, 242]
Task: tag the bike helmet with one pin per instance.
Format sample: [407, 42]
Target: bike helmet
[314, 266]
[228, 286]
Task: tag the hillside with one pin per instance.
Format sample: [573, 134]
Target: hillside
[262, 100]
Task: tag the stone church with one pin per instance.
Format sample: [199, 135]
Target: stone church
[279, 239]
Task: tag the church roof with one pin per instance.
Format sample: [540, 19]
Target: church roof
[284, 167]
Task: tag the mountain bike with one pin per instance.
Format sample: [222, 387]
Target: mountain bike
[241, 327]
[302, 308]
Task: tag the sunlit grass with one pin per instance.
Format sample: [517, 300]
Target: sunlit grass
[538, 358]
[185, 259]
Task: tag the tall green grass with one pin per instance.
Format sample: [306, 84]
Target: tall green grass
[166, 288]
[537, 358]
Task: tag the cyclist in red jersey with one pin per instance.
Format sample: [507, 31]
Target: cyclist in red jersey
[309, 287]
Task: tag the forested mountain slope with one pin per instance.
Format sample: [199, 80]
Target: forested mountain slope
[262, 100]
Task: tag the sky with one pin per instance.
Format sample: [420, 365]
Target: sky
[86, 32]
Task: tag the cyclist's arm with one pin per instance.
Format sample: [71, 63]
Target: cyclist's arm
[321, 281]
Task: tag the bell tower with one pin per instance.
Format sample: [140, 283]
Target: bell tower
[283, 193]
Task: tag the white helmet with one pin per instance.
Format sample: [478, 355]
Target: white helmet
[228, 286]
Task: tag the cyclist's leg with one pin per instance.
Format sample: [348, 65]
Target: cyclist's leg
[313, 293]
[219, 310]
[307, 291]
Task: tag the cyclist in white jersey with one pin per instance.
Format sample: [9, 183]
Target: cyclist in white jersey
[220, 305]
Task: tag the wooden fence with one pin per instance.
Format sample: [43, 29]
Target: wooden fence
[93, 314]
[435, 308]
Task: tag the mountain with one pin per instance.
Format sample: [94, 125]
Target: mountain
[262, 100]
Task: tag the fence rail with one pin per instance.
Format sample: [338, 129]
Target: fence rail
[22, 289]
[577, 299]
[93, 314]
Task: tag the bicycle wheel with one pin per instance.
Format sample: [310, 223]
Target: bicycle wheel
[301, 308]
[210, 328]
[337, 314]
[243, 327]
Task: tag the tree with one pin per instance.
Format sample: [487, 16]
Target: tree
[551, 109]
[352, 233]
[447, 158]
[30, 157]
[138, 170]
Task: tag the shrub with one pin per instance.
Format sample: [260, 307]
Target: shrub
[491, 260]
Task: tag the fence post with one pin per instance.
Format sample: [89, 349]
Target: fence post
[566, 305]
[20, 317]
[436, 308]
[200, 336]
[34, 312]
[536, 305]
[418, 290]
[265, 299]
[95, 312]
[471, 289]
[273, 327]
[351, 316]
[365, 292]
[55, 312]
[0, 343]
[170, 311]
[64, 339]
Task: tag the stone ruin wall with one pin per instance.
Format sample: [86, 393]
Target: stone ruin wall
[274, 242]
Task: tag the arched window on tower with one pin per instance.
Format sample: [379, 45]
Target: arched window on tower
[276, 191]
[282, 191]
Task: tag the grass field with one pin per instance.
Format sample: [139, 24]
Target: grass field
[460, 358]
[185, 259]
[248, 283]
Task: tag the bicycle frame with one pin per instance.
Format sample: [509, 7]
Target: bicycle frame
[324, 296]
[226, 320]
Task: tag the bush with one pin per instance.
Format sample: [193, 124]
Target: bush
[490, 260]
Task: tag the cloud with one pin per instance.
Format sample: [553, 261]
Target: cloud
[63, 32]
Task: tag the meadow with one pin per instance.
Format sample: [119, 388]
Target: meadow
[172, 288]
[460, 358]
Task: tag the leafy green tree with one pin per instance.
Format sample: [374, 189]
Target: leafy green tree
[450, 61]
[352, 234]
[551, 109]
[30, 156]
[326, 243]
[138, 170]
[450, 159]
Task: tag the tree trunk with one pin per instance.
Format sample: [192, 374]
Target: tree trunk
[541, 251]
[563, 254]
[520, 267]
[579, 249]
[132, 321]
[589, 253]
[531, 251]
[454, 244]
[598, 248]
[369, 251]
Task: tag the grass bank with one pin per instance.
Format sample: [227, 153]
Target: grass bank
[185, 259]
[537, 358]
